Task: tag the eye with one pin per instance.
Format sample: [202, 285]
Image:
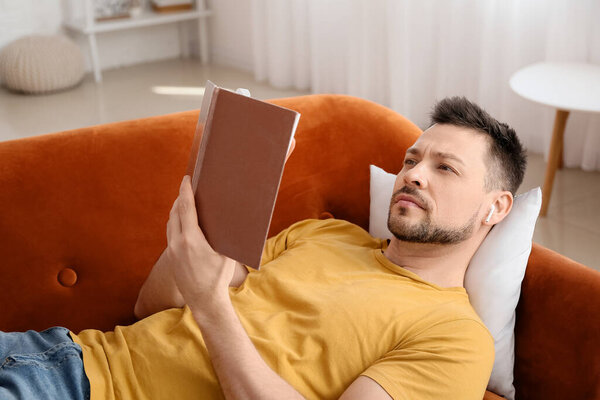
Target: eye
[410, 162]
[446, 168]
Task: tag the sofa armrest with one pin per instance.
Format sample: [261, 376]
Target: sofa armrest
[557, 329]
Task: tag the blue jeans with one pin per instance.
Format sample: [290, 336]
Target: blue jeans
[41, 365]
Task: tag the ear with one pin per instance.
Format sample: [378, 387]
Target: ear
[502, 203]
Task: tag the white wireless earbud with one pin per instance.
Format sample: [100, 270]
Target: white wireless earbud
[490, 214]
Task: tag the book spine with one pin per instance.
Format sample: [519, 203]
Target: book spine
[205, 139]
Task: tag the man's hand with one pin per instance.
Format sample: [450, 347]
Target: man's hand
[160, 291]
[201, 274]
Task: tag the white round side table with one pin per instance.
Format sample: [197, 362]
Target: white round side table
[566, 87]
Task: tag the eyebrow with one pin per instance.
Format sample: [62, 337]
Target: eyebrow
[438, 154]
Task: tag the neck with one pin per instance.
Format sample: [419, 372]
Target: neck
[443, 265]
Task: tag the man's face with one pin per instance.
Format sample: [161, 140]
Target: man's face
[439, 193]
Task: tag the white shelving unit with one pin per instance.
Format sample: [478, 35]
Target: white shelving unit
[90, 27]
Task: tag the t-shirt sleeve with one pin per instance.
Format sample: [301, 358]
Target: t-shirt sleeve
[451, 360]
[276, 245]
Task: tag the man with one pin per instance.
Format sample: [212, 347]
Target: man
[332, 313]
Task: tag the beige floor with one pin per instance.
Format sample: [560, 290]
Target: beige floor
[572, 226]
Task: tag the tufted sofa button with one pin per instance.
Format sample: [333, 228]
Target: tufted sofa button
[67, 277]
[325, 215]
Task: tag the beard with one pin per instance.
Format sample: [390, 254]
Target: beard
[426, 231]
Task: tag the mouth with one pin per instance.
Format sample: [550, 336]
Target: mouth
[405, 200]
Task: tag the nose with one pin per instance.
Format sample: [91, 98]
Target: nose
[416, 177]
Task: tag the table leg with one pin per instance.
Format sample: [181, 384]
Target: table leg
[95, 58]
[561, 157]
[184, 48]
[556, 145]
[203, 41]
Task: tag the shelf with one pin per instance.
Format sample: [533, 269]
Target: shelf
[89, 27]
[147, 18]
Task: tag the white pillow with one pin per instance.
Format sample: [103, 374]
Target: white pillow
[493, 279]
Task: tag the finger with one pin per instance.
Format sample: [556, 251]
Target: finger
[187, 207]
[170, 220]
[292, 147]
[174, 223]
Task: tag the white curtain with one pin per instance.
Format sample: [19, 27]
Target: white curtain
[407, 54]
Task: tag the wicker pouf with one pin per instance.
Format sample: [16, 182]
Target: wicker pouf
[41, 64]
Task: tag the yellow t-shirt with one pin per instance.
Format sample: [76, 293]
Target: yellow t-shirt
[325, 307]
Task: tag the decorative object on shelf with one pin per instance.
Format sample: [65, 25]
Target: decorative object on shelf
[136, 8]
[40, 64]
[111, 9]
[163, 6]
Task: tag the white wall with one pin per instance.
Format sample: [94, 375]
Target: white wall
[229, 33]
[22, 17]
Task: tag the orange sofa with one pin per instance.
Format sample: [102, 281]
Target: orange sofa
[84, 214]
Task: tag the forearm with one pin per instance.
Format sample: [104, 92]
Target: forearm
[159, 291]
[241, 371]
[203, 276]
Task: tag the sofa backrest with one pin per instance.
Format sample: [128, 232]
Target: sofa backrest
[84, 212]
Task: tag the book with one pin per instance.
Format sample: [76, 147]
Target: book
[236, 164]
[166, 6]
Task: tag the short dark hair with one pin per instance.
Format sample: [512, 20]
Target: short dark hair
[507, 156]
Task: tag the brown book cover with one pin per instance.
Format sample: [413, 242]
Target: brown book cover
[236, 164]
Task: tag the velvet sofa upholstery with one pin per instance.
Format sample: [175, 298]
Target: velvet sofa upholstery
[84, 215]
